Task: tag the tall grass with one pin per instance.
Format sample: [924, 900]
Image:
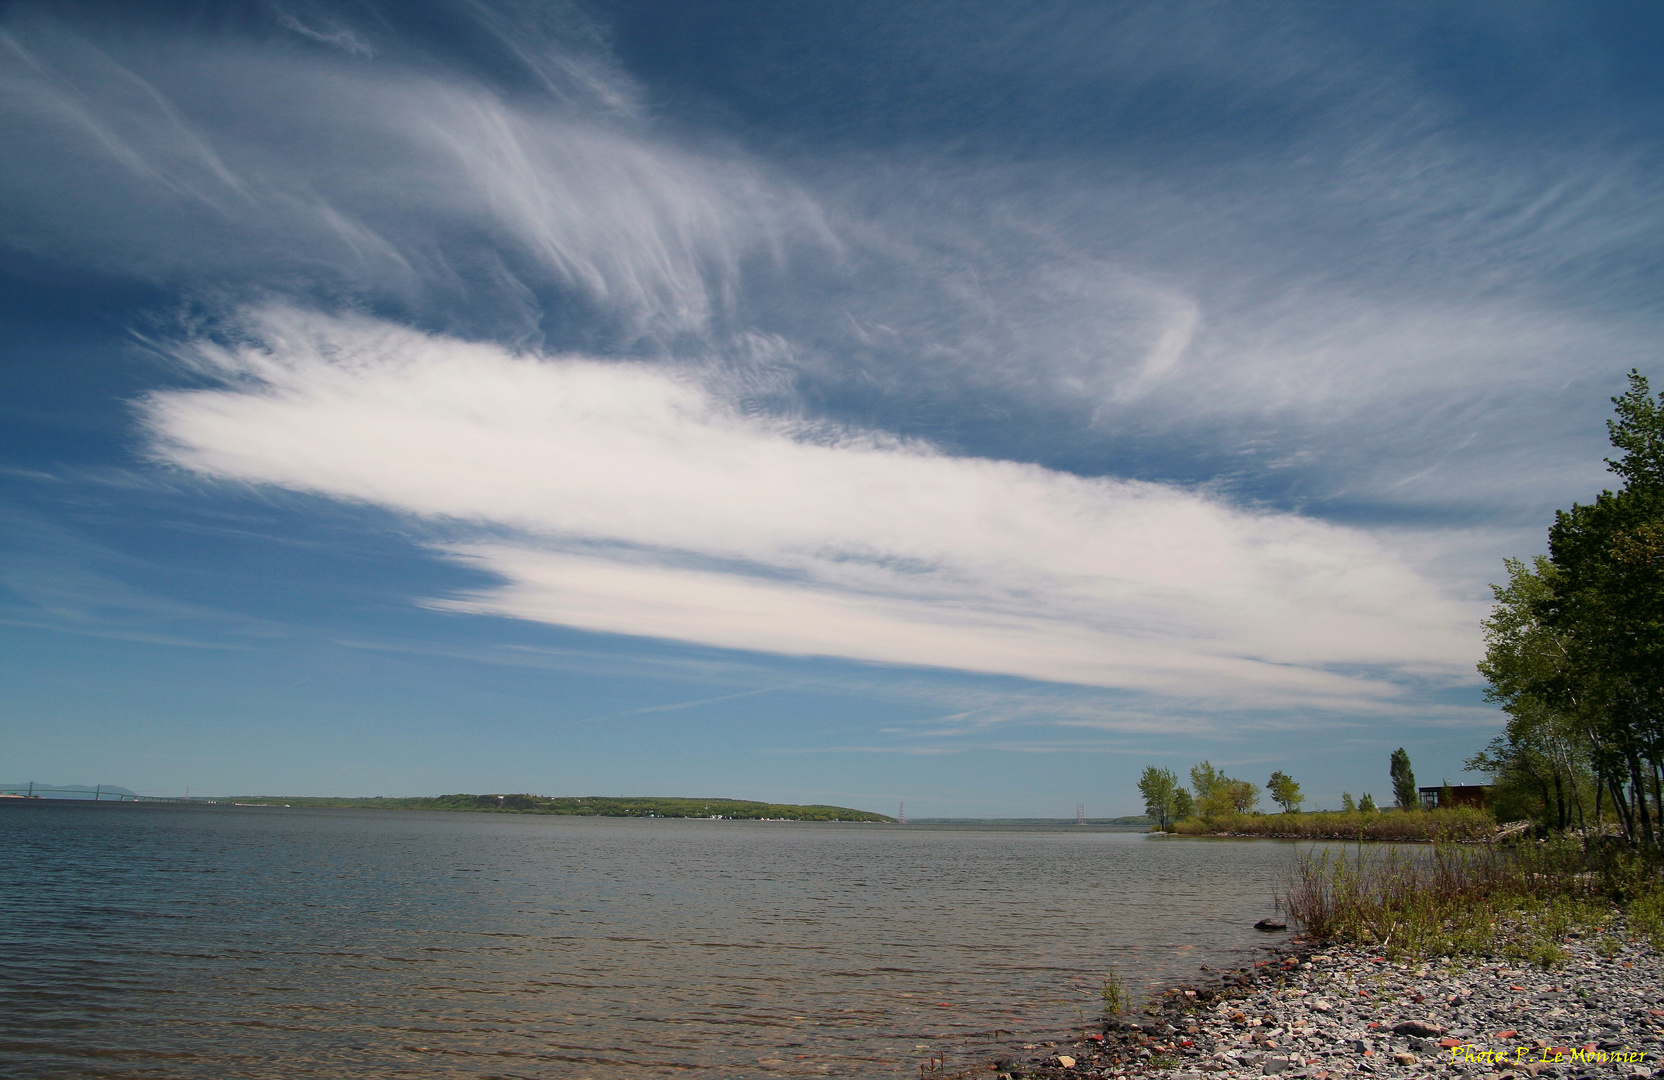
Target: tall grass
[1456, 823]
[1519, 901]
[1116, 998]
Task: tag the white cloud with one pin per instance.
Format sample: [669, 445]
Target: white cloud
[256, 166]
[1363, 317]
[1386, 310]
[629, 498]
[1325, 337]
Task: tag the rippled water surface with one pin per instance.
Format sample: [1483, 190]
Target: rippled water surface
[169, 941]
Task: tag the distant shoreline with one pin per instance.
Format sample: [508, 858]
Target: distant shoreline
[648, 807]
[582, 806]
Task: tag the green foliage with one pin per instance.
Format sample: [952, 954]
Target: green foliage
[1184, 807]
[1575, 648]
[1115, 995]
[1646, 917]
[1366, 805]
[1404, 793]
[1218, 796]
[1519, 902]
[1160, 788]
[1347, 805]
[1285, 792]
[1459, 823]
[1639, 433]
[594, 806]
[1241, 796]
[1539, 764]
[1205, 779]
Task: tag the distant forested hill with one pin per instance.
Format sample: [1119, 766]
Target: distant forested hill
[591, 806]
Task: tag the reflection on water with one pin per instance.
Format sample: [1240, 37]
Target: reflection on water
[168, 941]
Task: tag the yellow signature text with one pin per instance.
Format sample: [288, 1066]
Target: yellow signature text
[1521, 1055]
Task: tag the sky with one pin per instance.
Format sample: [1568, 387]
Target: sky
[853, 403]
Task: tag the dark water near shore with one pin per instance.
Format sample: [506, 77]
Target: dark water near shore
[165, 941]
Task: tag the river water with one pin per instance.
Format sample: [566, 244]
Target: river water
[170, 941]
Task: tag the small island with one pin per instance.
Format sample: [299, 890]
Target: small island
[584, 806]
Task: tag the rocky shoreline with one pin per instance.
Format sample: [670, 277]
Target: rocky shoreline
[1318, 1011]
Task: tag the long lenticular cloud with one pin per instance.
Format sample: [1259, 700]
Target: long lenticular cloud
[631, 499]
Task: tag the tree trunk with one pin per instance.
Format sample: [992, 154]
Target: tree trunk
[1658, 799]
[1620, 806]
[1639, 787]
[1548, 800]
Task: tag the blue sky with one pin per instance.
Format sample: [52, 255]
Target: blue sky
[814, 402]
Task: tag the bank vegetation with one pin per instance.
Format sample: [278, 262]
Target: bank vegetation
[1457, 824]
[589, 806]
[1574, 658]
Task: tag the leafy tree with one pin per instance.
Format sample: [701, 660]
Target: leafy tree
[1606, 608]
[1218, 795]
[1184, 807]
[1539, 764]
[1241, 796]
[1367, 803]
[1346, 803]
[1205, 779]
[1639, 433]
[1285, 792]
[1160, 788]
[1403, 781]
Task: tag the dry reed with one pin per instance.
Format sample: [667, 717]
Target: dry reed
[1459, 824]
[1519, 901]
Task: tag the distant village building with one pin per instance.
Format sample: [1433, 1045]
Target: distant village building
[1453, 795]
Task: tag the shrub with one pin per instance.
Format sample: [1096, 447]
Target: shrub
[1516, 901]
[1453, 823]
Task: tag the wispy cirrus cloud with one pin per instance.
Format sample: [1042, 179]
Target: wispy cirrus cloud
[263, 168]
[629, 499]
[1077, 395]
[1348, 295]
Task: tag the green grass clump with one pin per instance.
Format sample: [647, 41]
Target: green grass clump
[1521, 902]
[1646, 918]
[1115, 995]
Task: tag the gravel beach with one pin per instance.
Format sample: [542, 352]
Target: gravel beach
[1319, 1011]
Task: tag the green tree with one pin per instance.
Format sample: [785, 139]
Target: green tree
[1606, 606]
[1539, 764]
[1218, 796]
[1346, 803]
[1241, 796]
[1403, 781]
[1285, 792]
[1205, 779]
[1160, 788]
[1639, 433]
[1366, 804]
[1184, 807]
